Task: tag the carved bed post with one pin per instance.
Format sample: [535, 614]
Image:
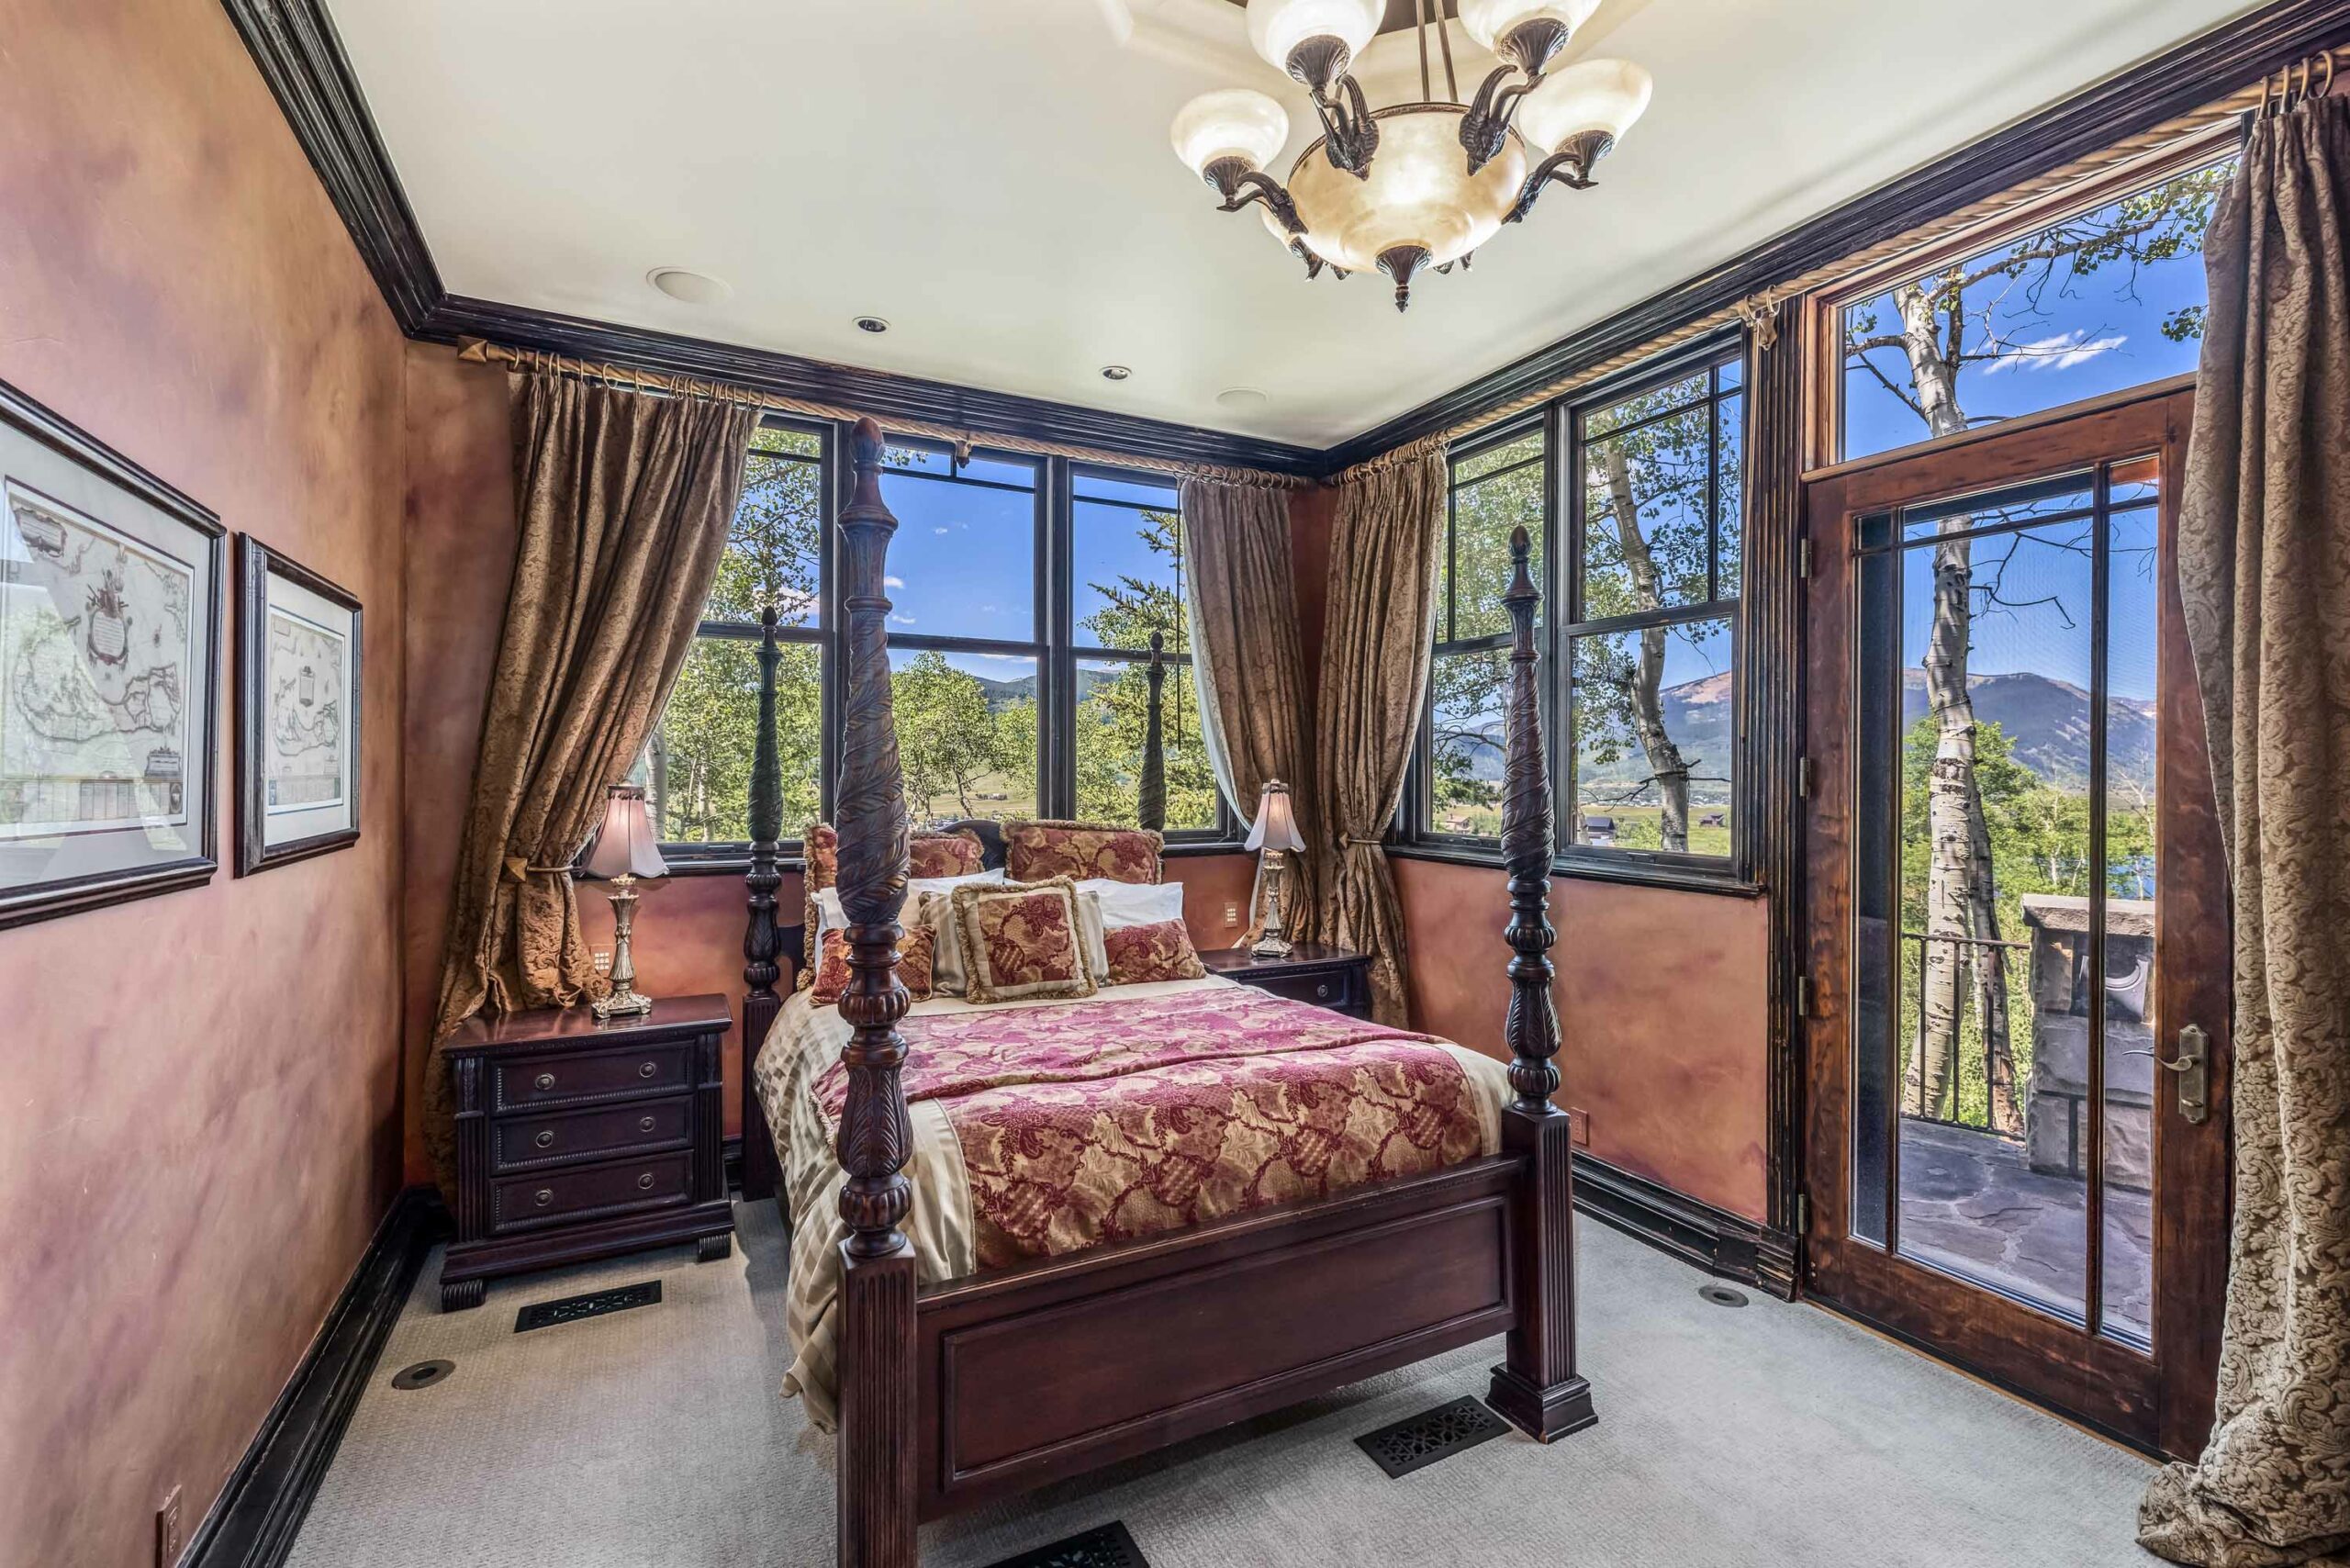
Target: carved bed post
[1535, 1387]
[761, 1178]
[1151, 805]
[876, 1467]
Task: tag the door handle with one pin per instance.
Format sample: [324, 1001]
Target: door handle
[2194, 1070]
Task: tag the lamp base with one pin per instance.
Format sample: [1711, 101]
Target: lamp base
[1271, 944]
[621, 1004]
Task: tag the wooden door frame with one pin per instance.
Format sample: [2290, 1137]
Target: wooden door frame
[2159, 1403]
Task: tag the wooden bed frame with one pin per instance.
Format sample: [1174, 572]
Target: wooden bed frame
[960, 1392]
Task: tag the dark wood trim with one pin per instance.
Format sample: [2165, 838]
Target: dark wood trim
[97, 889]
[301, 57]
[256, 563]
[253, 1522]
[2229, 56]
[1727, 1245]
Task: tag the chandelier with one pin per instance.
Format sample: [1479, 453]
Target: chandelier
[1415, 186]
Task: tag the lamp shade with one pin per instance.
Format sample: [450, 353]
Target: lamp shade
[624, 845]
[1278, 27]
[1237, 122]
[1490, 21]
[1276, 823]
[1604, 96]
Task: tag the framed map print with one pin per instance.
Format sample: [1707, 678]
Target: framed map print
[297, 712]
[110, 605]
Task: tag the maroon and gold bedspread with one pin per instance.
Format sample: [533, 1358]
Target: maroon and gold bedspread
[1107, 1120]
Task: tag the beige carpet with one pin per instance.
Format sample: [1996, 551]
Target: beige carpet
[1763, 1434]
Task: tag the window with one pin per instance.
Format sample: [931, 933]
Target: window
[1650, 733]
[1497, 485]
[2103, 298]
[1014, 696]
[1637, 534]
[698, 769]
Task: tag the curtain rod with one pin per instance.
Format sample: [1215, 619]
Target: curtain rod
[480, 351]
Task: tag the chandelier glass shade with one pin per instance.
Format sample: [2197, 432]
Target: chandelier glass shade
[1420, 185]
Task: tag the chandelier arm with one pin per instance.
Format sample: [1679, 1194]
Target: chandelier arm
[1252, 186]
[1485, 128]
[1350, 135]
[1570, 166]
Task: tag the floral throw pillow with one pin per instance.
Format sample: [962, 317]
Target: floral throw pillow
[1035, 851]
[1160, 951]
[913, 966]
[957, 854]
[1020, 940]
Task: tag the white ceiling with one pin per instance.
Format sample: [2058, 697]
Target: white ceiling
[993, 177]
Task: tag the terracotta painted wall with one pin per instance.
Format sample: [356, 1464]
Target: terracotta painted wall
[202, 1124]
[461, 560]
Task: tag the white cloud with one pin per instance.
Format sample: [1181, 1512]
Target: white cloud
[893, 582]
[903, 619]
[2061, 351]
[938, 530]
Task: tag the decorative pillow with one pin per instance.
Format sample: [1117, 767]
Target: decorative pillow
[1158, 952]
[929, 854]
[1020, 940]
[1036, 851]
[1132, 903]
[913, 966]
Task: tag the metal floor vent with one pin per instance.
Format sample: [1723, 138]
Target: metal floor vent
[1419, 1441]
[595, 1304]
[1107, 1547]
[1722, 1296]
[423, 1374]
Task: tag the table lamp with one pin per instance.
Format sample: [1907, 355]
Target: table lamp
[624, 850]
[1274, 837]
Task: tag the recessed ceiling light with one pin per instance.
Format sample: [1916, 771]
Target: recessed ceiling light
[689, 288]
[1238, 398]
[871, 324]
[1115, 372]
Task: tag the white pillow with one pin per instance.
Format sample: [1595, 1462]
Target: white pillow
[1134, 904]
[830, 915]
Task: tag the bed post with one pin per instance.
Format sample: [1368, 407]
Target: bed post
[761, 1178]
[1535, 1387]
[1151, 805]
[875, 1472]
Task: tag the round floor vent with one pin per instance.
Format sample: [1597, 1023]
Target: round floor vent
[423, 1374]
[1722, 1296]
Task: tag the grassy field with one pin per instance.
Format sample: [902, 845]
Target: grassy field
[1011, 798]
[1637, 828]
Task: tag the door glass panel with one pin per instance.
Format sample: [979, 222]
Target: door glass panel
[2003, 859]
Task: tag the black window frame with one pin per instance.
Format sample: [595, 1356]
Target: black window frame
[1054, 648]
[1561, 422]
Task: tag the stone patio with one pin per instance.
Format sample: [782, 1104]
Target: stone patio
[1971, 1206]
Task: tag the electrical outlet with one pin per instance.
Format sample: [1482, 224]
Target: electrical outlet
[1231, 914]
[169, 1542]
[603, 960]
[1578, 1126]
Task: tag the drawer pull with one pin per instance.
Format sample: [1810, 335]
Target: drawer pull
[545, 1196]
[644, 1182]
[544, 1081]
[644, 1123]
[1322, 991]
[545, 1139]
[646, 1072]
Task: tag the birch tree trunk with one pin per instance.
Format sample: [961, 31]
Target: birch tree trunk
[1666, 767]
[1962, 910]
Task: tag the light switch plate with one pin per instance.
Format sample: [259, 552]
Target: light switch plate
[1579, 1127]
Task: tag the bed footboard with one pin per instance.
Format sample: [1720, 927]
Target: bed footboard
[1032, 1374]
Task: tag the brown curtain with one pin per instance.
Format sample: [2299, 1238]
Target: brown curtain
[2265, 574]
[1376, 643]
[1246, 658]
[624, 501]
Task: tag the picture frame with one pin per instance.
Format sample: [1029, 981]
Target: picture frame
[111, 597]
[300, 649]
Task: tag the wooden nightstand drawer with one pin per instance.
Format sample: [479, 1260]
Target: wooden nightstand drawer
[521, 1143]
[520, 1202]
[568, 1079]
[1334, 989]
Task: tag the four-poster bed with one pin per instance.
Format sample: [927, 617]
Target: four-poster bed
[951, 1391]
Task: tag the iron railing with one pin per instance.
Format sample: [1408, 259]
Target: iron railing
[1996, 954]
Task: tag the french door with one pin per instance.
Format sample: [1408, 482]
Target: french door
[2016, 918]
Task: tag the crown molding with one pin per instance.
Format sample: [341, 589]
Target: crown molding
[295, 44]
[2184, 78]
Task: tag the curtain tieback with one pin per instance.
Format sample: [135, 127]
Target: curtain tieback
[522, 871]
[1351, 839]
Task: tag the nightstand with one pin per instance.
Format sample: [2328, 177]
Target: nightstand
[1335, 978]
[577, 1139]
